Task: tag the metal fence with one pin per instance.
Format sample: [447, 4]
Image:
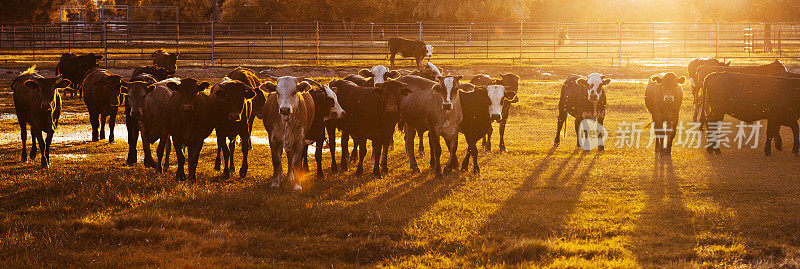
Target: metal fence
[322, 43]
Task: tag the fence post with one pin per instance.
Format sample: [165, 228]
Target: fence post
[317, 22]
[520, 43]
[33, 40]
[716, 36]
[212, 43]
[420, 30]
[177, 37]
[371, 33]
[619, 38]
[104, 28]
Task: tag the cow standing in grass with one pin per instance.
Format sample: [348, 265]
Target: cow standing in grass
[37, 103]
[583, 98]
[74, 68]
[510, 83]
[190, 119]
[239, 83]
[480, 106]
[137, 89]
[408, 48]
[103, 93]
[148, 110]
[663, 97]
[694, 64]
[326, 109]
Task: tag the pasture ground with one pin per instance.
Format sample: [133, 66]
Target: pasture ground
[534, 206]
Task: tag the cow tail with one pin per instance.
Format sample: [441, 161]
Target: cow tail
[565, 129]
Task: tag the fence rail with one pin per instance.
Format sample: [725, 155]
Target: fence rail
[324, 43]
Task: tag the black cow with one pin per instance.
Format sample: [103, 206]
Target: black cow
[408, 48]
[327, 108]
[74, 68]
[191, 118]
[103, 95]
[480, 106]
[510, 84]
[750, 98]
[235, 108]
[37, 103]
[583, 98]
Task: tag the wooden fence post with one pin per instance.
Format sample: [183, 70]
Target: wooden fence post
[212, 43]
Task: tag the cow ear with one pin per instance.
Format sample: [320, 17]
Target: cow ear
[365, 73]
[32, 84]
[681, 80]
[656, 79]
[63, 83]
[267, 87]
[303, 86]
[203, 86]
[173, 86]
[606, 81]
[391, 74]
[582, 82]
[150, 89]
[511, 96]
[249, 94]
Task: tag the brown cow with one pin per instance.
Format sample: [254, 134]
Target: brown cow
[148, 108]
[190, 119]
[695, 81]
[408, 48]
[663, 97]
[37, 103]
[235, 99]
[102, 96]
[288, 115]
[255, 107]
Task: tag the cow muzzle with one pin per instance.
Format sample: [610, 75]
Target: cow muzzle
[669, 99]
[447, 106]
[594, 97]
[286, 111]
[186, 108]
[495, 117]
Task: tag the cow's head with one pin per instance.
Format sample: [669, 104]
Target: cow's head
[594, 84]
[669, 85]
[116, 89]
[287, 89]
[448, 87]
[336, 109]
[88, 61]
[428, 50]
[136, 91]
[166, 60]
[44, 98]
[496, 93]
[234, 95]
[188, 89]
[392, 92]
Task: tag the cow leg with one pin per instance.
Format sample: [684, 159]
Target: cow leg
[247, 144]
[600, 134]
[657, 125]
[356, 148]
[23, 134]
[361, 155]
[38, 135]
[217, 164]
[672, 134]
[377, 148]
[391, 60]
[773, 127]
[318, 156]
[103, 118]
[159, 154]
[332, 146]
[562, 117]
[421, 145]
[231, 152]
[148, 155]
[194, 157]
[181, 159]
[436, 153]
[409, 141]
[94, 119]
[502, 128]
[223, 146]
[166, 141]
[577, 133]
[276, 148]
[487, 140]
[46, 149]
[385, 156]
[452, 146]
[795, 139]
[133, 137]
[475, 169]
[345, 150]
[112, 120]
[304, 157]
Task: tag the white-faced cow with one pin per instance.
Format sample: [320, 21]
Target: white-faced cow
[326, 109]
[37, 103]
[510, 83]
[368, 78]
[408, 48]
[103, 93]
[288, 115]
[583, 98]
[480, 106]
[663, 97]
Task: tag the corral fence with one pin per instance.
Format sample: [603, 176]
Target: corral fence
[324, 43]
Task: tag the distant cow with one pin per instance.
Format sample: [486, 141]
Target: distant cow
[102, 96]
[149, 103]
[289, 113]
[136, 91]
[372, 114]
[480, 106]
[74, 68]
[190, 119]
[326, 108]
[663, 97]
[583, 98]
[510, 83]
[166, 60]
[695, 81]
[158, 72]
[428, 71]
[437, 111]
[750, 98]
[37, 103]
[408, 48]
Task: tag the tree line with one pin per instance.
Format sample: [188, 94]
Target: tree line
[426, 10]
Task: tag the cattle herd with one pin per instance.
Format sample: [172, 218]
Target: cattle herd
[181, 113]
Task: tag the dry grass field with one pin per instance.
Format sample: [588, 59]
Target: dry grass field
[536, 205]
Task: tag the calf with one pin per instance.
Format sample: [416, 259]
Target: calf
[408, 48]
[158, 72]
[750, 98]
[480, 106]
[326, 108]
[428, 71]
[438, 112]
[289, 113]
[231, 129]
[74, 68]
[166, 60]
[663, 97]
[136, 92]
[372, 114]
[583, 98]
[695, 81]
[510, 84]
[190, 119]
[37, 103]
[103, 93]
[149, 106]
